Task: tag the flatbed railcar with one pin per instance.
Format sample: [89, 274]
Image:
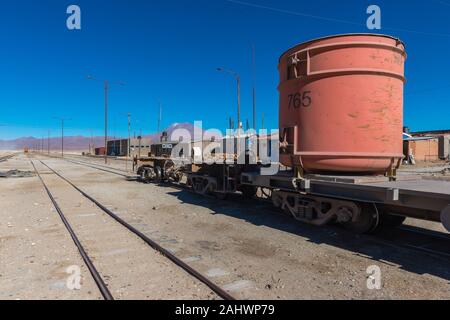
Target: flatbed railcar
[340, 137]
[362, 203]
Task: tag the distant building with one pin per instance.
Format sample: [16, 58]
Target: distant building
[100, 151]
[422, 148]
[434, 133]
[140, 147]
[117, 148]
[427, 145]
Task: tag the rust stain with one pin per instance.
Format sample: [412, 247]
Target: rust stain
[379, 110]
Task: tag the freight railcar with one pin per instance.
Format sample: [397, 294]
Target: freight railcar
[340, 126]
[158, 166]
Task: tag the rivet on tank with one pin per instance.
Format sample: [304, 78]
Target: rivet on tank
[341, 105]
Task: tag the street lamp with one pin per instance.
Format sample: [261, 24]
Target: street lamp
[238, 79]
[106, 85]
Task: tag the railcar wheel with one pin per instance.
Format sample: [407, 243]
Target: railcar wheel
[368, 220]
[177, 177]
[144, 174]
[266, 193]
[158, 174]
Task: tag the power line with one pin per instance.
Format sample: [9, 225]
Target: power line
[443, 3]
[248, 4]
[329, 19]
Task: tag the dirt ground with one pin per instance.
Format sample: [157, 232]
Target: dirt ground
[249, 250]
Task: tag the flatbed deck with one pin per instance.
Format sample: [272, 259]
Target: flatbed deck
[411, 196]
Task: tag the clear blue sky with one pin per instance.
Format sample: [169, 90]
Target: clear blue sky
[169, 50]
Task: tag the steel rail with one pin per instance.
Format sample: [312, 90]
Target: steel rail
[375, 238]
[96, 164]
[92, 165]
[219, 291]
[4, 158]
[101, 169]
[94, 272]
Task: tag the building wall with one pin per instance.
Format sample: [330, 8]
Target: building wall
[144, 143]
[100, 151]
[424, 150]
[117, 148]
[444, 147]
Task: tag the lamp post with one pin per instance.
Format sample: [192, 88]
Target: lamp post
[106, 85]
[238, 80]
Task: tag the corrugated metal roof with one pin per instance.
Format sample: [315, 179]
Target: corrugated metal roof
[420, 138]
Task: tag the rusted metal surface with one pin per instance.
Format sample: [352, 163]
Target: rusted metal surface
[341, 104]
[100, 151]
[418, 198]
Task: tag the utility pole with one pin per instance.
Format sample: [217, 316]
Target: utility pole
[62, 138]
[159, 117]
[106, 85]
[129, 138]
[62, 133]
[140, 142]
[239, 101]
[48, 143]
[91, 145]
[254, 86]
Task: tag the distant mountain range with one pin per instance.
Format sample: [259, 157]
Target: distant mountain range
[79, 143]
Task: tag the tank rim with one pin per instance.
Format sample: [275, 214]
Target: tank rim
[342, 35]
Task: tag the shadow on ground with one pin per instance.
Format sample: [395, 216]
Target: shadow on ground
[390, 251]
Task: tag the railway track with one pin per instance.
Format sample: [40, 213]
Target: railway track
[413, 239]
[109, 169]
[86, 160]
[99, 280]
[421, 240]
[5, 158]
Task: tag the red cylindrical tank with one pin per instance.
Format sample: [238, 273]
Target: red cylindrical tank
[341, 104]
